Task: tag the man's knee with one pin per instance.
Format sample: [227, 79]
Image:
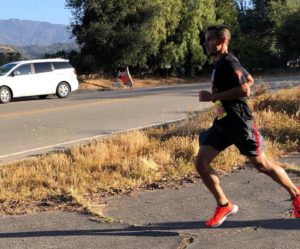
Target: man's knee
[263, 168]
[205, 156]
[261, 164]
[201, 164]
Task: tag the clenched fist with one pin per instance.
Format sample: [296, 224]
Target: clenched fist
[205, 95]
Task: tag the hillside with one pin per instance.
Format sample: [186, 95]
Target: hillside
[7, 49]
[34, 39]
[35, 51]
[38, 51]
[21, 33]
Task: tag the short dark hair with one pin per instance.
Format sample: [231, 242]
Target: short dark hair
[220, 30]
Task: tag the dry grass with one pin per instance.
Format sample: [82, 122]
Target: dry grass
[96, 82]
[278, 116]
[285, 101]
[79, 178]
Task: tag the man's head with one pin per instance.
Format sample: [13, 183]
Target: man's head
[217, 38]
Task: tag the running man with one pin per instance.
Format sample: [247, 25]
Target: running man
[233, 124]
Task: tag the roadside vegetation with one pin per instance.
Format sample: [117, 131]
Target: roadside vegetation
[166, 35]
[107, 83]
[81, 177]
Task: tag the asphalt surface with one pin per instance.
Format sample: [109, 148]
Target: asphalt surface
[168, 219]
[33, 126]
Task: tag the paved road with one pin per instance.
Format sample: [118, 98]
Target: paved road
[168, 219]
[279, 81]
[33, 126]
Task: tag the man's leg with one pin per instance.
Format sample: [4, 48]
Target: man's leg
[209, 176]
[276, 172]
[279, 175]
[211, 180]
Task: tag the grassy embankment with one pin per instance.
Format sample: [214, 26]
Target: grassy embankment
[106, 83]
[79, 178]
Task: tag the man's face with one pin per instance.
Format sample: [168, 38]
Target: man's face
[212, 43]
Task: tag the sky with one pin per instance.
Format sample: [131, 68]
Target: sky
[52, 11]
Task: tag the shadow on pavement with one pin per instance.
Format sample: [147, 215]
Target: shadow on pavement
[160, 230]
[105, 232]
[274, 224]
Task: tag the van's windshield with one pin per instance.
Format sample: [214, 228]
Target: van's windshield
[5, 68]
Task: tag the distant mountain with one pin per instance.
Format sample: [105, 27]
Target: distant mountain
[38, 51]
[34, 51]
[7, 49]
[21, 33]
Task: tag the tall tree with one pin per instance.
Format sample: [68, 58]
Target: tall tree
[289, 36]
[183, 47]
[257, 42]
[283, 16]
[141, 32]
[122, 31]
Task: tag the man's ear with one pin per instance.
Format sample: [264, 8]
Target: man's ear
[223, 39]
[219, 41]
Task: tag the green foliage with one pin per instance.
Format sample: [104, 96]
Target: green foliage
[142, 33]
[183, 46]
[9, 57]
[156, 34]
[289, 36]
[116, 32]
[226, 12]
[262, 44]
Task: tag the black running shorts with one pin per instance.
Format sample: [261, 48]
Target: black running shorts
[245, 137]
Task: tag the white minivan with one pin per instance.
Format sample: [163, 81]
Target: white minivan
[37, 78]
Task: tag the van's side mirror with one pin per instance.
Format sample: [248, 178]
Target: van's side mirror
[16, 73]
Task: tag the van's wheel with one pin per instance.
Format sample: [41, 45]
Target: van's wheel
[5, 95]
[63, 90]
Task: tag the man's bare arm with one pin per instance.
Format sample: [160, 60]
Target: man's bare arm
[240, 91]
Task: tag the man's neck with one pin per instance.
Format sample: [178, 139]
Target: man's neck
[220, 54]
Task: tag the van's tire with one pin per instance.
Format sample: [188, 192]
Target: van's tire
[5, 95]
[63, 90]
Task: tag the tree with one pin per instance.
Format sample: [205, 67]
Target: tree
[289, 36]
[116, 32]
[183, 45]
[284, 15]
[153, 33]
[261, 41]
[6, 57]
[257, 40]
[226, 13]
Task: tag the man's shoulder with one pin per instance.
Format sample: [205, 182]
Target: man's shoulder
[230, 58]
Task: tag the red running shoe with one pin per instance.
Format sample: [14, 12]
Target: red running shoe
[221, 214]
[296, 204]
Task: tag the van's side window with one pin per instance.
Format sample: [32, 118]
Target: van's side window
[24, 69]
[42, 67]
[61, 65]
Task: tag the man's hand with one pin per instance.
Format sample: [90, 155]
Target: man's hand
[205, 96]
